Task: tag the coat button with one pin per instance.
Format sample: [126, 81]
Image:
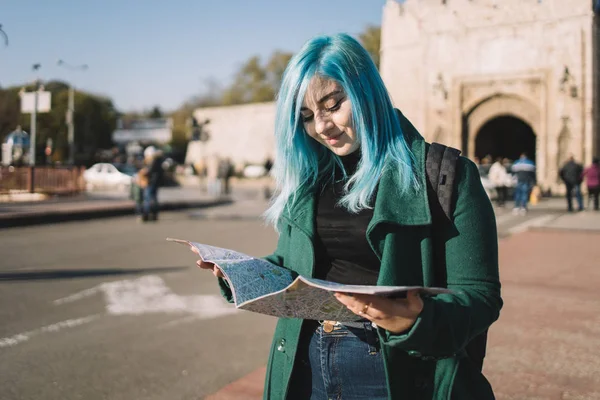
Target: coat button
[414, 353]
[281, 346]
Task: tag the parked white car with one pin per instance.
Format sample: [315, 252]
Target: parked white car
[106, 175]
[254, 171]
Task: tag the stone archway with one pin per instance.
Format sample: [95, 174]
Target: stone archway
[507, 137]
[511, 108]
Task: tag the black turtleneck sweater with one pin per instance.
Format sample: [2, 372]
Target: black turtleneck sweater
[343, 254]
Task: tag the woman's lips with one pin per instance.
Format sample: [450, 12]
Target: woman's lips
[333, 139]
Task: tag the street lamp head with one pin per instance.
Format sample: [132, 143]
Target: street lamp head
[65, 64]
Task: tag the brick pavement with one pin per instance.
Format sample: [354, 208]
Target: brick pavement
[546, 344]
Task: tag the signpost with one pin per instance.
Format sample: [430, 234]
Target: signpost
[32, 103]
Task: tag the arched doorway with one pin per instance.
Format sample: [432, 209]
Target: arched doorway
[505, 136]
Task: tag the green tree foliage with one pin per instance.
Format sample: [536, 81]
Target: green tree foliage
[371, 41]
[95, 120]
[156, 112]
[257, 82]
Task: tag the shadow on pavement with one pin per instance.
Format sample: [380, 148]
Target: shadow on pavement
[80, 273]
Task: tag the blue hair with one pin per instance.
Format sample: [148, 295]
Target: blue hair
[301, 162]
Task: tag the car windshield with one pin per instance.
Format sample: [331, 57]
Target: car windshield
[126, 169]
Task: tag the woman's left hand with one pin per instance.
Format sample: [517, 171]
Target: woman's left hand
[394, 315]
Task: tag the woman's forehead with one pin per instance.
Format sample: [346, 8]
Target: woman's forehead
[319, 87]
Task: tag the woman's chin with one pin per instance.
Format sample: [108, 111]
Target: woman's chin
[343, 150]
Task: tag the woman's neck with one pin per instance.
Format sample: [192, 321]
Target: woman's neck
[351, 161]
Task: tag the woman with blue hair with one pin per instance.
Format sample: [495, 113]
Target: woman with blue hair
[352, 206]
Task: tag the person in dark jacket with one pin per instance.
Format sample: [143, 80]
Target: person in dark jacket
[352, 207]
[572, 175]
[154, 176]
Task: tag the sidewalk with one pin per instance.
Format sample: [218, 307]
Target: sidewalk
[98, 205]
[545, 344]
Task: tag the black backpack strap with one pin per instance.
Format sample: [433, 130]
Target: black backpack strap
[441, 171]
[441, 166]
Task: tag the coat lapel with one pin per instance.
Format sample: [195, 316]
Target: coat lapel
[410, 207]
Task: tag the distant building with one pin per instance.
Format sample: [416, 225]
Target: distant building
[145, 131]
[242, 133]
[498, 77]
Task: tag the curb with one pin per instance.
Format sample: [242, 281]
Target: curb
[117, 210]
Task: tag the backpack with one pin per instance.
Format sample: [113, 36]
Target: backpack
[440, 168]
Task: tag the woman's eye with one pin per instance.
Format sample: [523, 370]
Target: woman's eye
[336, 106]
[307, 118]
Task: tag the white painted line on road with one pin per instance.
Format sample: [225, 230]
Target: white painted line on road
[539, 221]
[145, 295]
[25, 336]
[78, 296]
[150, 294]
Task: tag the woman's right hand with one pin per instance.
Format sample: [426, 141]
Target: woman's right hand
[206, 265]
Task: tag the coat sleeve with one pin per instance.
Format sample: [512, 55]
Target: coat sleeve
[277, 258]
[449, 321]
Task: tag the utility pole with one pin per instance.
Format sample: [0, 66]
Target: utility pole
[71, 110]
[32, 153]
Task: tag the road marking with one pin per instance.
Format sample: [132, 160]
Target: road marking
[539, 221]
[150, 294]
[145, 295]
[25, 336]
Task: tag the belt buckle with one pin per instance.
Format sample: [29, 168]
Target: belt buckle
[329, 326]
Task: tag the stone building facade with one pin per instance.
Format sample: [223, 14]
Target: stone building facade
[491, 77]
[497, 77]
[242, 133]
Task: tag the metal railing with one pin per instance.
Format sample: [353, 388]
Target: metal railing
[50, 180]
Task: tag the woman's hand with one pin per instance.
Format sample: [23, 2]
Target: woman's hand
[205, 265]
[394, 315]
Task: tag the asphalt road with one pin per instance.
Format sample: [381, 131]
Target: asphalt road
[107, 309]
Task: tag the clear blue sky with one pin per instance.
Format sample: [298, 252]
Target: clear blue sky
[157, 52]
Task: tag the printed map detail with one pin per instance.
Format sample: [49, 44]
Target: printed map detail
[265, 288]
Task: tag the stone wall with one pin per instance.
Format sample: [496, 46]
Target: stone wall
[442, 61]
[243, 133]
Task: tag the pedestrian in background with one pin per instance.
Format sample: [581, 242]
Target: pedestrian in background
[592, 177]
[213, 180]
[140, 182]
[224, 174]
[524, 169]
[153, 160]
[501, 180]
[351, 207]
[572, 175]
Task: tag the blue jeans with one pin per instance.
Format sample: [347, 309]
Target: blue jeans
[343, 364]
[576, 189]
[522, 195]
[150, 204]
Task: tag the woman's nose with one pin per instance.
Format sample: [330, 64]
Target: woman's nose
[322, 123]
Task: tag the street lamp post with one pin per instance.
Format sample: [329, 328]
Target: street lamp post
[71, 110]
[33, 132]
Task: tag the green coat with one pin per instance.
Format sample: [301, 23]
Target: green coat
[428, 361]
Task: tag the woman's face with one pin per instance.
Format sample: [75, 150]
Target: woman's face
[327, 116]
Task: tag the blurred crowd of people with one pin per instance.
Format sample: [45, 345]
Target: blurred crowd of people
[501, 176]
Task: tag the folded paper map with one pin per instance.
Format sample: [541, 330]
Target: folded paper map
[265, 288]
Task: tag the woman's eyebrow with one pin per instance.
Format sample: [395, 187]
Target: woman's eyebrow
[324, 98]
